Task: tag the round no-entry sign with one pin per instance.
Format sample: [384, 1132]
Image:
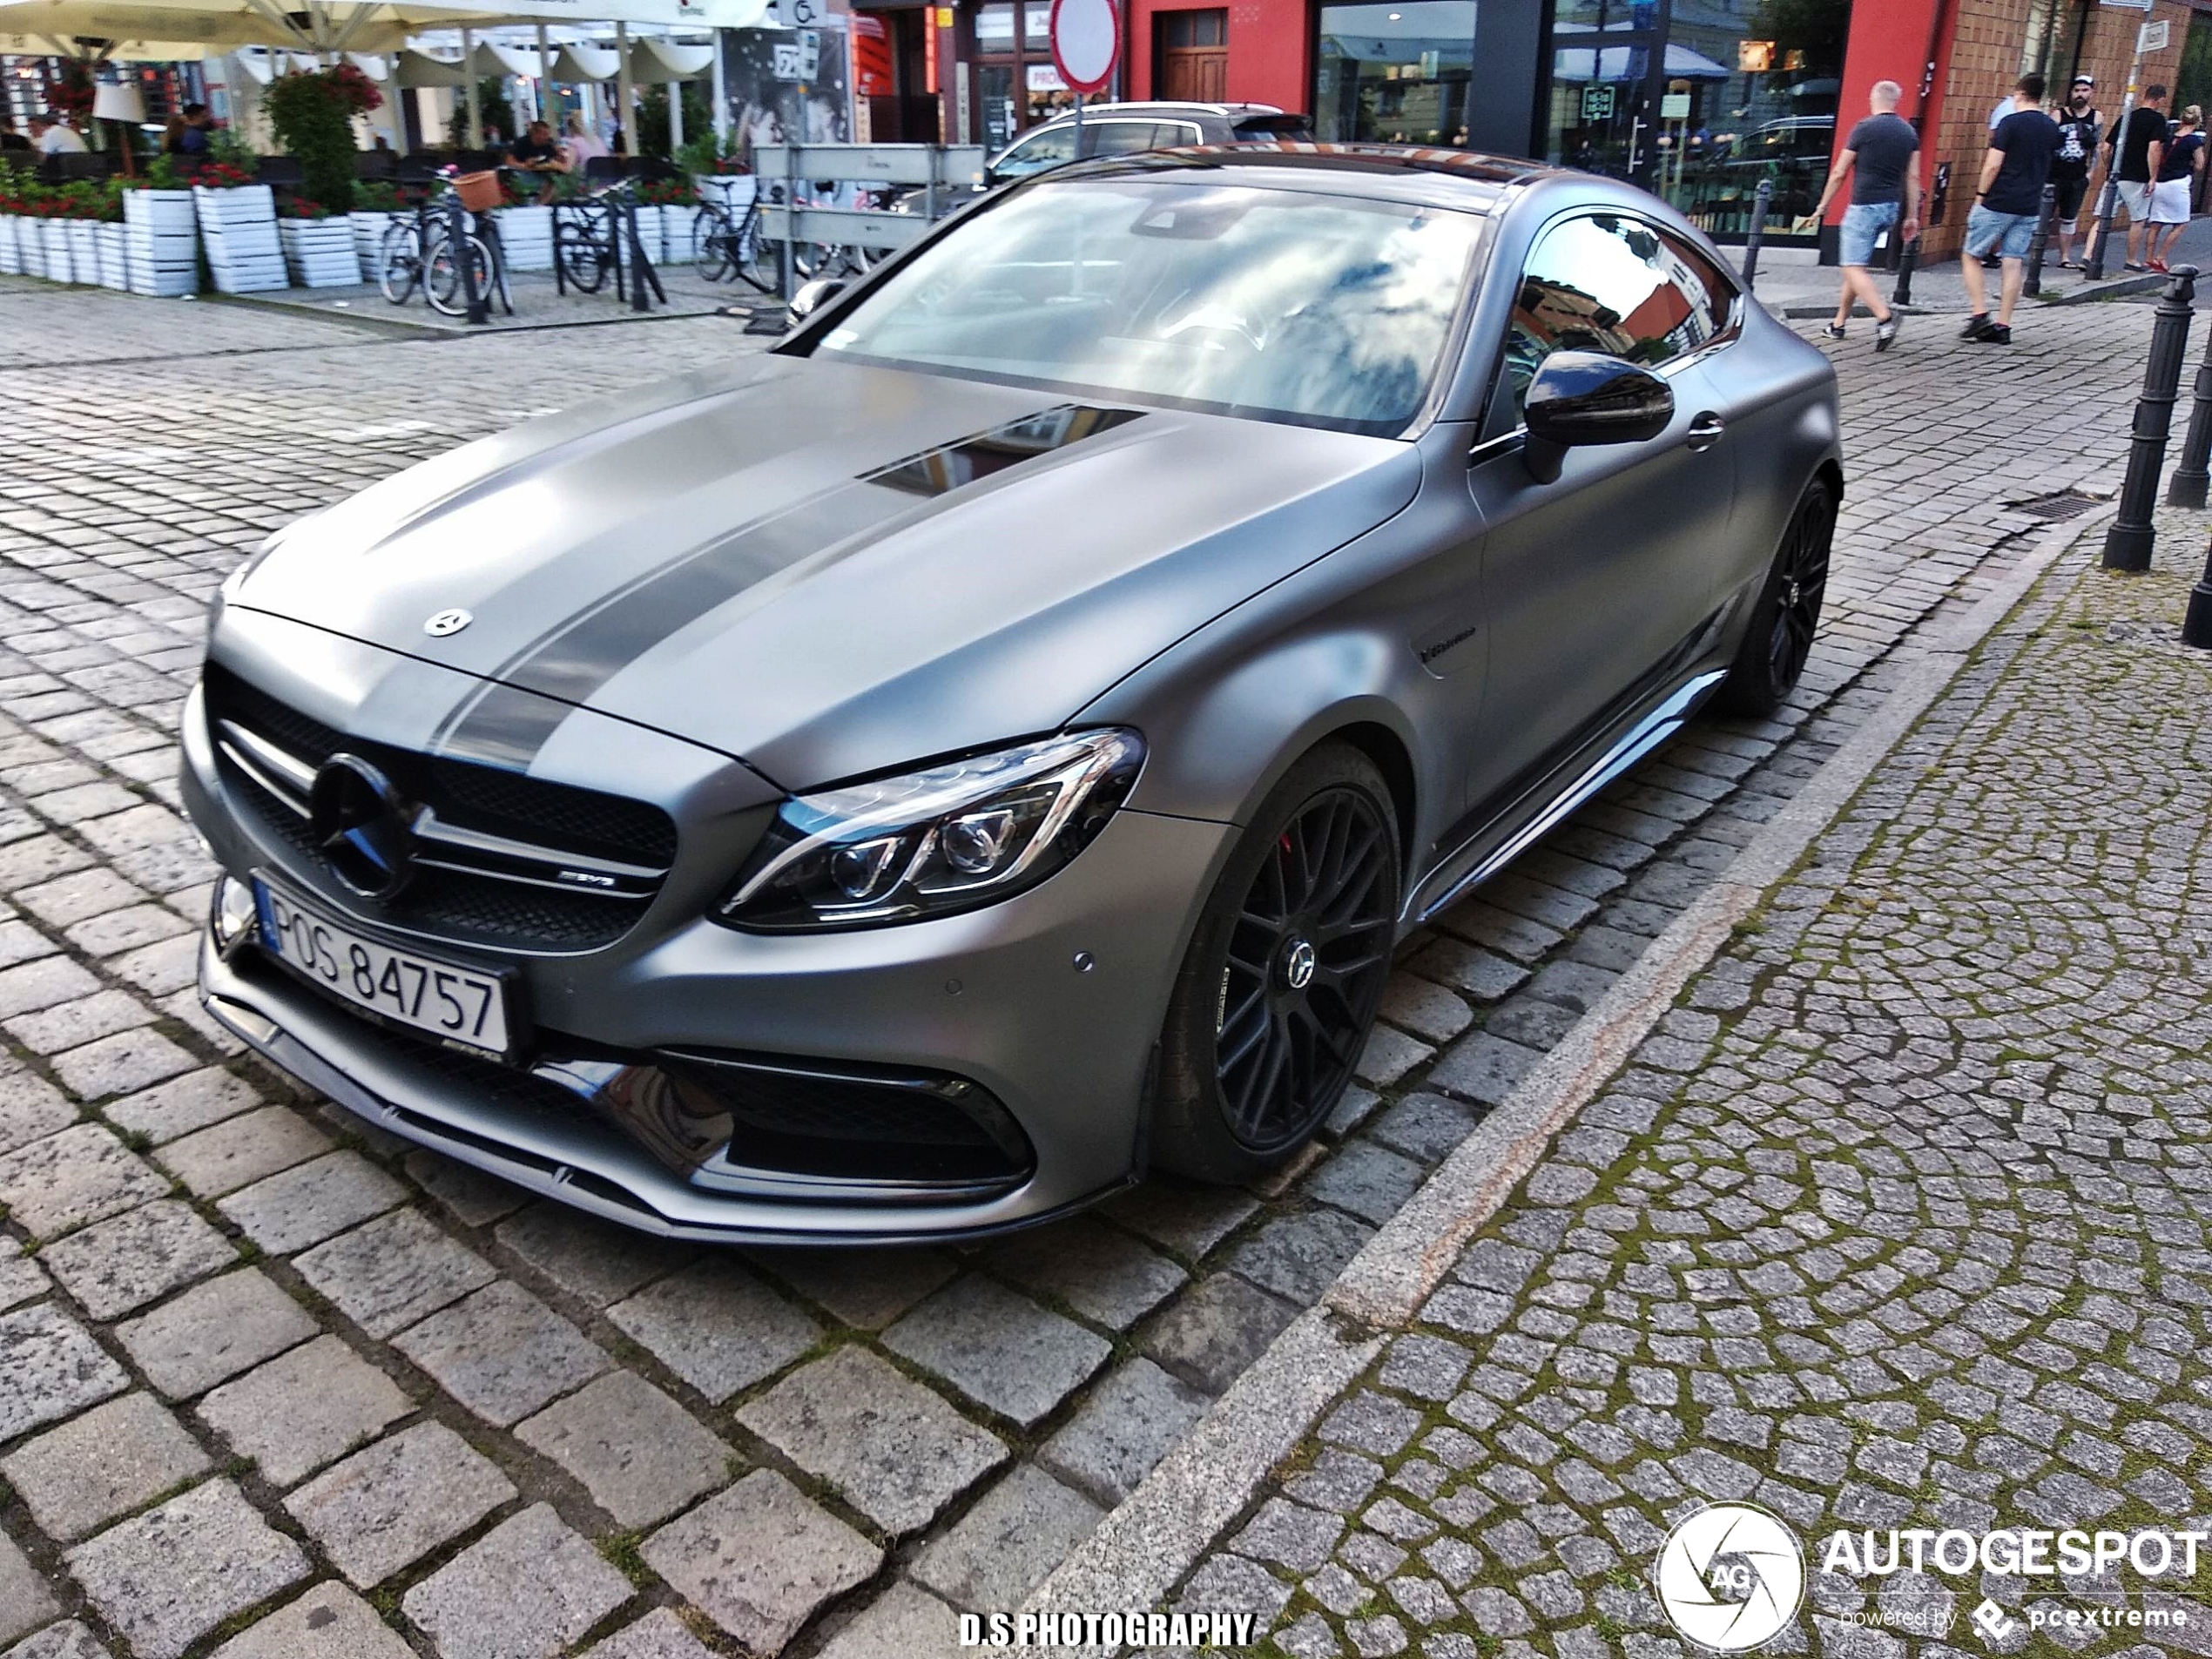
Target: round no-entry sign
[1086, 39]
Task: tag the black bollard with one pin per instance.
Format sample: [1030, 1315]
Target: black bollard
[2191, 478]
[2196, 621]
[2093, 268]
[478, 310]
[2128, 543]
[1762, 200]
[2046, 216]
[1908, 260]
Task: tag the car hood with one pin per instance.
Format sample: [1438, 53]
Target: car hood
[821, 568]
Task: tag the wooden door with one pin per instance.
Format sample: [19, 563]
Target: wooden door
[1191, 65]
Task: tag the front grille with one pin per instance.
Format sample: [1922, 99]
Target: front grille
[502, 902]
[722, 1121]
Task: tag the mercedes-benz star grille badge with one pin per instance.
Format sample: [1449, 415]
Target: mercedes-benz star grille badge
[447, 622]
[361, 826]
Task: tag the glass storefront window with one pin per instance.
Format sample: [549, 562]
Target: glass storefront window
[1751, 93]
[1037, 26]
[1001, 118]
[1399, 73]
[994, 28]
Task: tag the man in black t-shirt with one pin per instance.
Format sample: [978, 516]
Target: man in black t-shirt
[535, 151]
[2081, 127]
[2137, 150]
[2007, 202]
[1881, 158]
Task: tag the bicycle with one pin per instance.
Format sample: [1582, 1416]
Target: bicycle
[421, 255]
[725, 245]
[589, 240]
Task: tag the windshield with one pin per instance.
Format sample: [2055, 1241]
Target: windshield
[1281, 305]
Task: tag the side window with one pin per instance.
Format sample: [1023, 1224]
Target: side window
[1037, 152]
[1118, 138]
[1609, 283]
[1168, 134]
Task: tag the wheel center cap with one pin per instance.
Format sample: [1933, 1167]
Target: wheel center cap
[1298, 963]
[1792, 599]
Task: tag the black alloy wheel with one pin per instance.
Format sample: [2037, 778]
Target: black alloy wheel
[1287, 970]
[1787, 614]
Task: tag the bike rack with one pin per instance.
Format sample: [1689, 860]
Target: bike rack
[936, 168]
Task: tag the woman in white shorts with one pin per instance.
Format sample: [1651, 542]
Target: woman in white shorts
[2169, 197]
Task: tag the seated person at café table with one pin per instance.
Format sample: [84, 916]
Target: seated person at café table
[535, 151]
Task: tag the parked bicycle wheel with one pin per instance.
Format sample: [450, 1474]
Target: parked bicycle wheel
[760, 261]
[442, 275]
[581, 254]
[711, 249]
[399, 263]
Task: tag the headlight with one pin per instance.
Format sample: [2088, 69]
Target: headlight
[950, 838]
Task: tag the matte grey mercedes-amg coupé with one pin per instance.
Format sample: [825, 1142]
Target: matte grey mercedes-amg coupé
[911, 782]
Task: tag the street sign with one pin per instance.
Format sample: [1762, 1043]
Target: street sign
[2154, 36]
[2127, 5]
[1086, 40]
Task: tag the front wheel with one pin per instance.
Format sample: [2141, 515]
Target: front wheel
[399, 263]
[710, 251]
[1785, 615]
[1284, 973]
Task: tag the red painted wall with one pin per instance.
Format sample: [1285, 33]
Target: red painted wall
[1889, 42]
[1269, 50]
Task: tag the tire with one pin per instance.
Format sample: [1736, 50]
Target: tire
[1786, 614]
[399, 265]
[442, 275]
[710, 245]
[760, 261]
[1253, 1056]
[577, 252]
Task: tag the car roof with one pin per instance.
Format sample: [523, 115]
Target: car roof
[1466, 179]
[1163, 106]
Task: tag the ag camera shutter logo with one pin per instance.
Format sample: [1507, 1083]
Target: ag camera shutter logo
[1730, 1577]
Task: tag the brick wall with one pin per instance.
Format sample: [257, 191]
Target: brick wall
[1984, 61]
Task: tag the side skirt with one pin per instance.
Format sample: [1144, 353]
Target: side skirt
[1660, 723]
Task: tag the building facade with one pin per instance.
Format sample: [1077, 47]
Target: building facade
[1695, 100]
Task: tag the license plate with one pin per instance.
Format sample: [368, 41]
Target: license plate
[413, 990]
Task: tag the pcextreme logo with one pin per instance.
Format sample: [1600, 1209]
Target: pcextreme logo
[1730, 1576]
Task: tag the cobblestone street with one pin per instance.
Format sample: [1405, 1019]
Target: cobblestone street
[1899, 1220]
[1896, 1215]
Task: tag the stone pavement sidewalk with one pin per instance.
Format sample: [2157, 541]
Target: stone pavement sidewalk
[1898, 1219]
[264, 1372]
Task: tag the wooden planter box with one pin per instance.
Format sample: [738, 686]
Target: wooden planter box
[10, 253]
[161, 234]
[30, 245]
[239, 229]
[84, 250]
[368, 238]
[54, 233]
[675, 234]
[113, 240]
[320, 252]
[526, 233]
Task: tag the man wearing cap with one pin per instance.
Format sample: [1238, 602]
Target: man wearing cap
[55, 136]
[2080, 126]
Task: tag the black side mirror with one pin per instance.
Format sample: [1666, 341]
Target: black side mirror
[1578, 397]
[812, 296]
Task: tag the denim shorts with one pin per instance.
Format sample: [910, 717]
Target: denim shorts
[2007, 233]
[1862, 222]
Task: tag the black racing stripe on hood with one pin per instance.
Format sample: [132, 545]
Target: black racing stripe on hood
[506, 721]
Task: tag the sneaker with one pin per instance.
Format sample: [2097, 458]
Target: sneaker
[1976, 326]
[1885, 332]
[1996, 333]
[1833, 330]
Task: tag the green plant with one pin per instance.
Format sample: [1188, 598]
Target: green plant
[226, 148]
[708, 153]
[312, 114]
[652, 119]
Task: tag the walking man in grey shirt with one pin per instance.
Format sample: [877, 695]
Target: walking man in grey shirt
[1881, 158]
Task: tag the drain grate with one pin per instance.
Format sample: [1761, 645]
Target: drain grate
[2059, 503]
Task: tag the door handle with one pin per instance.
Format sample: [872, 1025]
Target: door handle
[1705, 431]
